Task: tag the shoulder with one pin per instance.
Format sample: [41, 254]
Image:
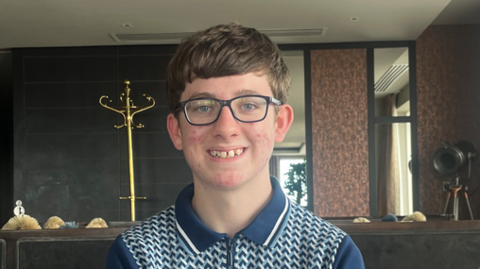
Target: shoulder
[348, 256]
[158, 227]
[305, 220]
[135, 246]
[319, 238]
[329, 243]
[132, 248]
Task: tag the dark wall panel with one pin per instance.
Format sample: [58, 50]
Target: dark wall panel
[159, 196]
[152, 171]
[134, 67]
[448, 83]
[68, 94]
[69, 160]
[6, 136]
[71, 68]
[340, 134]
[75, 120]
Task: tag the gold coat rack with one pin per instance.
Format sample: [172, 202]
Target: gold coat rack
[128, 110]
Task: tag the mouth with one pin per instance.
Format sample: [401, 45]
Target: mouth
[226, 154]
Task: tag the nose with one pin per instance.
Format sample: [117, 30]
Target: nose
[226, 126]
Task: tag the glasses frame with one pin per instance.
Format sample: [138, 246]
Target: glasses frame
[268, 99]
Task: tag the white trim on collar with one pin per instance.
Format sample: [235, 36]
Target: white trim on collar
[184, 235]
[277, 224]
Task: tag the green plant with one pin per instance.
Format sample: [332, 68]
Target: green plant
[296, 184]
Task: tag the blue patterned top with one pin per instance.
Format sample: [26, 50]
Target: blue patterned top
[283, 235]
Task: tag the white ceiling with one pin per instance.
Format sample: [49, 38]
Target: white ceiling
[460, 12]
[46, 23]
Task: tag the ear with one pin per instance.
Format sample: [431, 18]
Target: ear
[173, 126]
[284, 120]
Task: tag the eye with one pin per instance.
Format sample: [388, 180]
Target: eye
[204, 109]
[201, 106]
[248, 106]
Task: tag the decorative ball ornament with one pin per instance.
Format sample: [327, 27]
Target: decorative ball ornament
[19, 210]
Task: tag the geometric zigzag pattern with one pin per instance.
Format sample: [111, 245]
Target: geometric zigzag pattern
[306, 242]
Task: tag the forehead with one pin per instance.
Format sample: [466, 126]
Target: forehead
[227, 87]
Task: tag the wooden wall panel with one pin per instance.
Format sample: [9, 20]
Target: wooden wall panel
[340, 133]
[448, 92]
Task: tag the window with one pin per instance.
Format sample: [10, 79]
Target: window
[294, 187]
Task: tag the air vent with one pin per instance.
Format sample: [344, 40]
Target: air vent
[294, 33]
[389, 77]
[154, 37]
[172, 38]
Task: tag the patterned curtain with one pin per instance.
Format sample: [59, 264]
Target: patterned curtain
[386, 183]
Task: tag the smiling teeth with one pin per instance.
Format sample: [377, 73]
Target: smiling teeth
[226, 154]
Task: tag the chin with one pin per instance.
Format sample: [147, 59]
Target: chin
[227, 180]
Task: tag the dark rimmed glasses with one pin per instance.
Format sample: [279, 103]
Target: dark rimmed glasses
[245, 108]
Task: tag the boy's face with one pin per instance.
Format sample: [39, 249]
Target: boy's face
[254, 141]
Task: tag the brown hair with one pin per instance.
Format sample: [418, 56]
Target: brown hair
[225, 50]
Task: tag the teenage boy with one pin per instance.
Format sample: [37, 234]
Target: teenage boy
[227, 88]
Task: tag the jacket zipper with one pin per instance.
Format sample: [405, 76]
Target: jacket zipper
[230, 252]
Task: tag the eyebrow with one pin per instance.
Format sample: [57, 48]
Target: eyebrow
[209, 95]
[201, 95]
[246, 92]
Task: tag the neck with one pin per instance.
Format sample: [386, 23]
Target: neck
[229, 211]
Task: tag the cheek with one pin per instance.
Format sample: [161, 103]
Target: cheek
[264, 134]
[263, 141]
[195, 136]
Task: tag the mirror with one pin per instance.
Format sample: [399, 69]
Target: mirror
[294, 142]
[289, 156]
[391, 81]
[393, 168]
[393, 146]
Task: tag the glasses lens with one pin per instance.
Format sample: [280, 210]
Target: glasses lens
[245, 108]
[249, 108]
[202, 111]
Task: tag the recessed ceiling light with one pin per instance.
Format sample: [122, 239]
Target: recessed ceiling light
[354, 19]
[127, 25]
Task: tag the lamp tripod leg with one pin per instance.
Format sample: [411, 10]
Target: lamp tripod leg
[446, 204]
[455, 208]
[468, 203]
[455, 190]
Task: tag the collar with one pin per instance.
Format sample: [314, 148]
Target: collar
[263, 230]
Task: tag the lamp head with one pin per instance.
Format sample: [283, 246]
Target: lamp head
[448, 159]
